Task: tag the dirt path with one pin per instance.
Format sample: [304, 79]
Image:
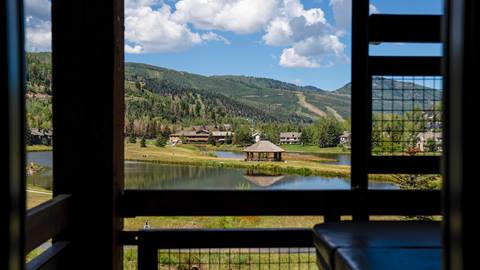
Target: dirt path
[335, 114]
[302, 101]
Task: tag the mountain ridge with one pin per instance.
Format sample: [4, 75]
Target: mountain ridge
[159, 92]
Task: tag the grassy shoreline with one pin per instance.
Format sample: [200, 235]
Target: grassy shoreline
[314, 149]
[289, 148]
[39, 148]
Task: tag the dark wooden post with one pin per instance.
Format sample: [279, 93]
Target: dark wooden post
[88, 79]
[460, 134]
[361, 86]
[12, 151]
[147, 255]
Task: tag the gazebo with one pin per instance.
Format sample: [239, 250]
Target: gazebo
[263, 151]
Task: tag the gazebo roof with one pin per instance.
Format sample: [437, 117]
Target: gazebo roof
[263, 147]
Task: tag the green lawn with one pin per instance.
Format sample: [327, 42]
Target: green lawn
[314, 149]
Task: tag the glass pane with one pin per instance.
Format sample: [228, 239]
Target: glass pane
[219, 98]
[39, 132]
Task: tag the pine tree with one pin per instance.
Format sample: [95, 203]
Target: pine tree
[431, 145]
[132, 138]
[143, 142]
[166, 131]
[329, 132]
[28, 136]
[161, 141]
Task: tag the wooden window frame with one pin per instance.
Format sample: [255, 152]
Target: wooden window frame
[94, 32]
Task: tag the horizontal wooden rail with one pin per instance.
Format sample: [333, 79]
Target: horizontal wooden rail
[281, 202]
[404, 164]
[46, 221]
[405, 28]
[53, 258]
[219, 238]
[405, 65]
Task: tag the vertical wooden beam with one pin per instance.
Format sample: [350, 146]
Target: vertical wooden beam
[462, 92]
[361, 112]
[87, 41]
[147, 255]
[12, 151]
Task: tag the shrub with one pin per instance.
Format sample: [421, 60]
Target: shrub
[132, 138]
[161, 141]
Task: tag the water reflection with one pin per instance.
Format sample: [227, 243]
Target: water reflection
[263, 180]
[144, 175]
[158, 176]
[42, 178]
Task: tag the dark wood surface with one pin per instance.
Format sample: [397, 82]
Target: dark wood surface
[405, 28]
[12, 148]
[360, 237]
[461, 167]
[55, 257]
[46, 221]
[388, 258]
[361, 102]
[220, 238]
[87, 40]
[405, 164]
[405, 65]
[281, 202]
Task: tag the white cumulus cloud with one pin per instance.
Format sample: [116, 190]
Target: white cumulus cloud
[290, 58]
[38, 26]
[314, 52]
[312, 41]
[153, 30]
[238, 16]
[151, 27]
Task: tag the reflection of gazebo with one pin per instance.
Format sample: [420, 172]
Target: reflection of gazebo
[263, 151]
[264, 180]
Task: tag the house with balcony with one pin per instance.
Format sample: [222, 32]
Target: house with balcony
[290, 137]
[430, 141]
[199, 136]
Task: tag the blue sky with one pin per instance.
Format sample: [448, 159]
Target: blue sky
[306, 42]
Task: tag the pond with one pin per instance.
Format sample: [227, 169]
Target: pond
[44, 177]
[145, 175]
[228, 154]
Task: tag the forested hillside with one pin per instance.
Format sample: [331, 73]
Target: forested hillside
[156, 96]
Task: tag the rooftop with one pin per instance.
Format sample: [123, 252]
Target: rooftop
[263, 147]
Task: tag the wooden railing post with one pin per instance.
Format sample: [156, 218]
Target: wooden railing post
[147, 254]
